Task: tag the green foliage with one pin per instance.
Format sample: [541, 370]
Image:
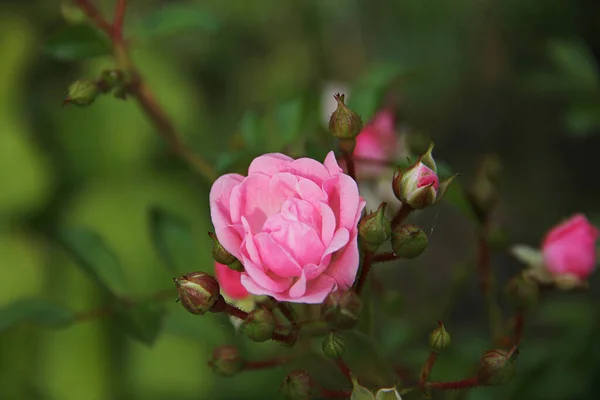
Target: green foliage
[173, 240]
[34, 311]
[95, 258]
[142, 322]
[175, 18]
[76, 42]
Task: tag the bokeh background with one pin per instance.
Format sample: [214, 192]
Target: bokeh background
[518, 79]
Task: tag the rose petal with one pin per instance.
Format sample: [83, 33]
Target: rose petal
[309, 169]
[220, 211]
[340, 239]
[344, 264]
[332, 165]
[269, 164]
[275, 258]
[230, 282]
[271, 284]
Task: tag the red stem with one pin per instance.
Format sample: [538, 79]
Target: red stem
[364, 272]
[289, 314]
[427, 367]
[384, 257]
[401, 215]
[335, 394]
[92, 12]
[233, 311]
[117, 28]
[519, 324]
[350, 164]
[270, 363]
[456, 385]
[344, 368]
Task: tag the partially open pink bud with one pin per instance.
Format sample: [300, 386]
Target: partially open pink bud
[419, 186]
[570, 248]
[378, 141]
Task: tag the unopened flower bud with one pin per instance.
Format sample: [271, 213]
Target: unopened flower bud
[419, 185]
[497, 367]
[344, 123]
[333, 346]
[409, 241]
[296, 385]
[375, 229]
[226, 361]
[112, 77]
[260, 325]
[522, 292]
[222, 256]
[198, 292]
[439, 339]
[82, 93]
[341, 309]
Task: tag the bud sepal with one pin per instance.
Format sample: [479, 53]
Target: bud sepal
[375, 229]
[198, 292]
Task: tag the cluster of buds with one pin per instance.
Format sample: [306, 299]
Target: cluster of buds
[419, 186]
[83, 92]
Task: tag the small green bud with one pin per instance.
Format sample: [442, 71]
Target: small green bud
[439, 339]
[522, 292]
[296, 385]
[375, 229]
[497, 367]
[226, 361]
[344, 123]
[260, 325]
[222, 256]
[82, 93]
[198, 292]
[333, 346]
[409, 241]
[341, 310]
[112, 77]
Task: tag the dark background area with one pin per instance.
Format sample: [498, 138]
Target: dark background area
[518, 79]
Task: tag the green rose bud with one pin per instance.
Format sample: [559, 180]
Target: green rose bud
[82, 93]
[375, 229]
[439, 339]
[226, 361]
[497, 367]
[341, 310]
[296, 385]
[522, 292]
[260, 325]
[344, 123]
[198, 292]
[409, 241]
[333, 346]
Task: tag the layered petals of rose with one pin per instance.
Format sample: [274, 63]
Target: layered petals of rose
[570, 248]
[292, 224]
[377, 141]
[426, 177]
[230, 282]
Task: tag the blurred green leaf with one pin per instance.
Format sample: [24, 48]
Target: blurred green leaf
[289, 116]
[95, 257]
[575, 60]
[34, 311]
[141, 322]
[457, 197]
[173, 240]
[365, 362]
[175, 18]
[76, 42]
[251, 130]
[581, 120]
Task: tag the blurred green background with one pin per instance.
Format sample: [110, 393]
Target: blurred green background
[514, 78]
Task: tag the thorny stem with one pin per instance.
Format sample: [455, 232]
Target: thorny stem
[455, 385]
[401, 215]
[427, 367]
[140, 91]
[364, 272]
[384, 257]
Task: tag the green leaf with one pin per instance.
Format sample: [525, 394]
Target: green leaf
[584, 119]
[251, 129]
[141, 322]
[35, 311]
[175, 18]
[365, 362]
[76, 42]
[95, 257]
[173, 239]
[289, 116]
[576, 62]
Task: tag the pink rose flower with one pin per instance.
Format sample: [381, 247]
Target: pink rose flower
[570, 248]
[377, 141]
[292, 224]
[230, 282]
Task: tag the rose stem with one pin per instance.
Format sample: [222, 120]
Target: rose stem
[287, 311]
[350, 164]
[140, 90]
[264, 364]
[456, 385]
[364, 272]
[427, 367]
[384, 257]
[344, 368]
[401, 215]
[519, 323]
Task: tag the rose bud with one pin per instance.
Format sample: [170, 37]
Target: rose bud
[341, 310]
[497, 367]
[419, 185]
[226, 361]
[260, 325]
[296, 385]
[293, 224]
[344, 123]
[222, 256]
[439, 339]
[82, 92]
[374, 229]
[569, 249]
[522, 292]
[198, 292]
[409, 241]
[333, 346]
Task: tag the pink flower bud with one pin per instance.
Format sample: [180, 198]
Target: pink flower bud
[570, 248]
[378, 141]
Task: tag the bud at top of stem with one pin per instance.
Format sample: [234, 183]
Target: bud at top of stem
[296, 385]
[341, 309]
[344, 123]
[226, 361]
[198, 291]
[497, 367]
[522, 292]
[82, 93]
[375, 229]
[439, 339]
[409, 241]
[222, 256]
[333, 346]
[260, 325]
